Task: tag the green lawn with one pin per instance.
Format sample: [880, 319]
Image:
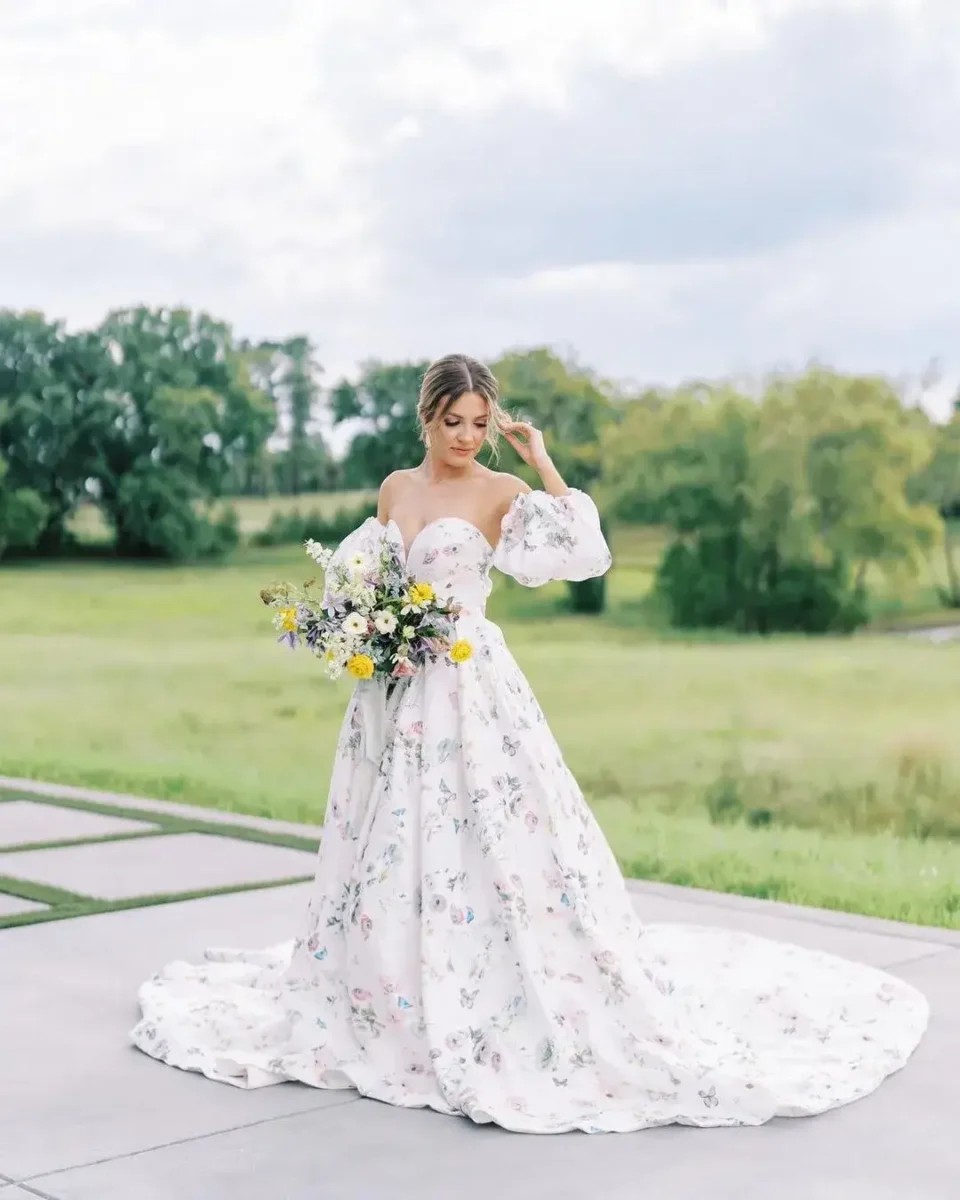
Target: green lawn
[774, 767]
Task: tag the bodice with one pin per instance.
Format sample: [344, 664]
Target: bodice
[453, 556]
[542, 538]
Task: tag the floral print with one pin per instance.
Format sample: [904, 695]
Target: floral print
[470, 945]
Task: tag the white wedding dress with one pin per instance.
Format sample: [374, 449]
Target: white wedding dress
[469, 944]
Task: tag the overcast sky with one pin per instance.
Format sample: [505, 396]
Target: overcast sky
[666, 188]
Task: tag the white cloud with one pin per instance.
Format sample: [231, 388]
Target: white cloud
[369, 174]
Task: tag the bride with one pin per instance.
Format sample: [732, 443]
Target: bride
[469, 944]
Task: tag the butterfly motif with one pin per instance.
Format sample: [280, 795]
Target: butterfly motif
[403, 1002]
[709, 1097]
[469, 915]
[467, 998]
[560, 1082]
[320, 954]
[510, 747]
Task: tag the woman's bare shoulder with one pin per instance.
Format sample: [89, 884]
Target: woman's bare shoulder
[509, 486]
[389, 489]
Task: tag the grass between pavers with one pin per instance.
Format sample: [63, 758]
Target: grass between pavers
[65, 904]
[86, 906]
[905, 879]
[168, 823]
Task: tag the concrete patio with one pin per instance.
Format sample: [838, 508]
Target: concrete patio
[84, 1116]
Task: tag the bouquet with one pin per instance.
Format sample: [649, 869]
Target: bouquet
[372, 620]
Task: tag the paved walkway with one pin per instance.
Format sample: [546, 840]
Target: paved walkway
[83, 1116]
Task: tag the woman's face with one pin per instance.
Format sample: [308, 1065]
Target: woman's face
[458, 435]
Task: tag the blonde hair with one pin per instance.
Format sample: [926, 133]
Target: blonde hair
[453, 376]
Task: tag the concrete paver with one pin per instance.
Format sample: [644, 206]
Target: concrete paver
[23, 822]
[168, 863]
[169, 808]
[84, 1116]
[894, 1145]
[73, 1089]
[877, 949]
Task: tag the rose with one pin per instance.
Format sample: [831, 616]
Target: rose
[361, 666]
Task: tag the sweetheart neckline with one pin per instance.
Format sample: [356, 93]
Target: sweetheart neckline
[408, 550]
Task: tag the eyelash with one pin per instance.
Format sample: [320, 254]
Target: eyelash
[454, 424]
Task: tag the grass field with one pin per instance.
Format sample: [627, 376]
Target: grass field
[825, 771]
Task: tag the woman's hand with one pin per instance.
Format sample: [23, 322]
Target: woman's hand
[528, 443]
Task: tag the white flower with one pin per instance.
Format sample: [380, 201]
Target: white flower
[385, 622]
[354, 625]
[408, 632]
[358, 563]
[319, 553]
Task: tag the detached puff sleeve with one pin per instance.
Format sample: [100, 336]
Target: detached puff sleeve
[544, 537]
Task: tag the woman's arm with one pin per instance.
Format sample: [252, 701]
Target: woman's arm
[534, 453]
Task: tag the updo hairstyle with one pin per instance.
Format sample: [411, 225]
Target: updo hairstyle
[449, 378]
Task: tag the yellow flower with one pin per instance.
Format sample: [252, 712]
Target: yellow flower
[421, 593]
[288, 619]
[360, 666]
[460, 651]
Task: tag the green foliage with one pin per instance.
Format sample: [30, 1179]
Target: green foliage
[288, 374]
[151, 415]
[183, 407]
[22, 514]
[938, 484]
[55, 416]
[778, 505]
[384, 401]
[294, 527]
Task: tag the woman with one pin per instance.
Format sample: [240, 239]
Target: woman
[470, 944]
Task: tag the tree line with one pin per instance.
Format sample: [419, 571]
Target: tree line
[777, 499]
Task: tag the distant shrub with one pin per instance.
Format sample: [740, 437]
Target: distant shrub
[720, 581]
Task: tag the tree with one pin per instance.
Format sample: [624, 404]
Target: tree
[287, 372]
[384, 403]
[779, 504]
[22, 514]
[184, 411]
[938, 484]
[56, 415]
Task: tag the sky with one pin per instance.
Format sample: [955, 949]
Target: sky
[660, 189]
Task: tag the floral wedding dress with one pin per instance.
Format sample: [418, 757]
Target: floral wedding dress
[469, 944]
